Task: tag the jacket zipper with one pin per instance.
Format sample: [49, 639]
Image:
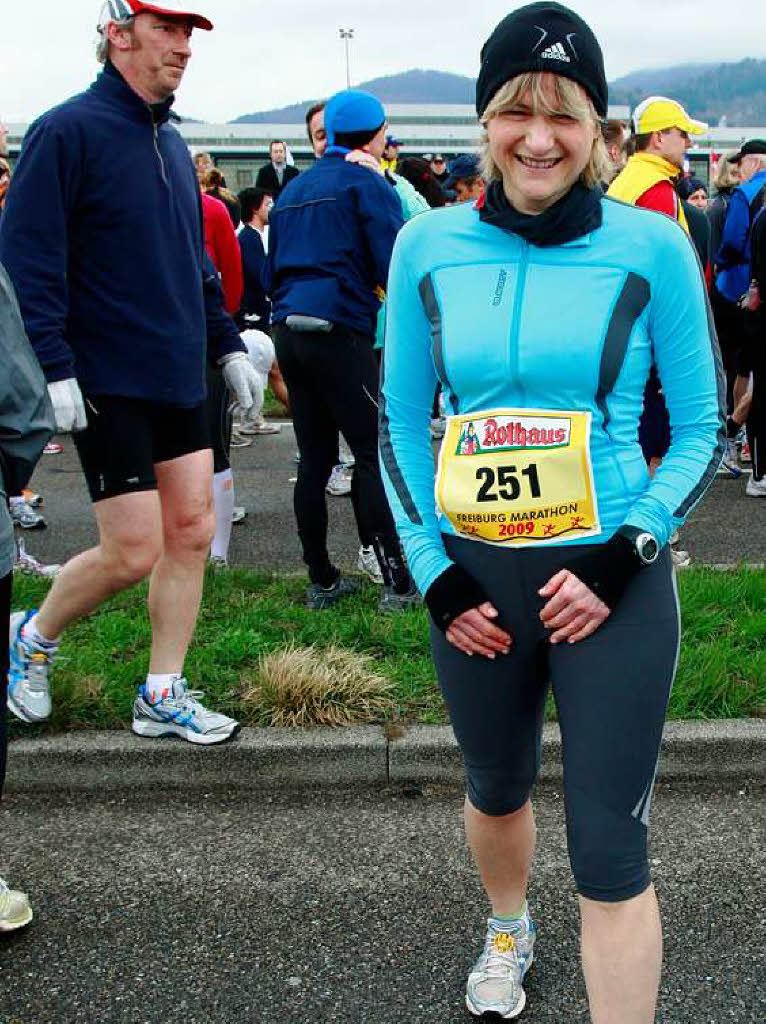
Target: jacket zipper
[516, 316]
[155, 135]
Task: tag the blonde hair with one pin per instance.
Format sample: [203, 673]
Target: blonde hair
[724, 173]
[569, 98]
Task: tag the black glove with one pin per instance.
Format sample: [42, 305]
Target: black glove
[607, 569]
[451, 594]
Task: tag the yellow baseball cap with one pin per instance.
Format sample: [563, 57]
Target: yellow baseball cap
[658, 113]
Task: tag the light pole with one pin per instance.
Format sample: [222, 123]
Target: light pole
[346, 34]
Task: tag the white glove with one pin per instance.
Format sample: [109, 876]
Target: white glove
[68, 406]
[241, 378]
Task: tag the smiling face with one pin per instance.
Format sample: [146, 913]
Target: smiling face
[152, 53]
[539, 147]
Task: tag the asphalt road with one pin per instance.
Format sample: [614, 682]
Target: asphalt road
[345, 907]
[727, 527]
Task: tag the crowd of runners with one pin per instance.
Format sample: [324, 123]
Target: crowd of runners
[545, 333]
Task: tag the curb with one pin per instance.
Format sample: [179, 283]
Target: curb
[345, 758]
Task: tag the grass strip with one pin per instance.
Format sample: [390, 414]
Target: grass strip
[246, 616]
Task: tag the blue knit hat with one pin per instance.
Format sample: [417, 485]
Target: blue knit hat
[352, 110]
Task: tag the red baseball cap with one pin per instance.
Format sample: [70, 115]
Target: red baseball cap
[120, 10]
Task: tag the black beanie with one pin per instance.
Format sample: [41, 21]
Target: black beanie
[542, 37]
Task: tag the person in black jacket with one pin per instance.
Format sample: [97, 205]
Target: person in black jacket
[122, 307]
[756, 324]
[273, 176]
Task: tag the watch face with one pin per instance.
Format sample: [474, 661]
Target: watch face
[648, 548]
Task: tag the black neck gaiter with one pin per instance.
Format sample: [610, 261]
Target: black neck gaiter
[574, 215]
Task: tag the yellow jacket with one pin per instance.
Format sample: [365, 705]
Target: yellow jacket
[642, 172]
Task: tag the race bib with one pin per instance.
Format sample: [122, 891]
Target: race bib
[518, 476]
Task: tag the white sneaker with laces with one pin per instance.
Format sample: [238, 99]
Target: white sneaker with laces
[495, 982]
[180, 714]
[24, 516]
[339, 483]
[756, 488]
[15, 911]
[367, 562]
[29, 695]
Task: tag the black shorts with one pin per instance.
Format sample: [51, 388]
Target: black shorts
[126, 437]
[220, 418]
[611, 692]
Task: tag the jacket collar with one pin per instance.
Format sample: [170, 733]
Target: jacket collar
[112, 87]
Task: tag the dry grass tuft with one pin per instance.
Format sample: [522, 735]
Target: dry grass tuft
[304, 686]
[88, 689]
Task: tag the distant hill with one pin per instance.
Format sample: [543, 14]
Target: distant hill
[415, 86]
[709, 91]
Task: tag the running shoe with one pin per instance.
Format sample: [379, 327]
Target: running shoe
[438, 427]
[367, 562]
[495, 982]
[745, 455]
[217, 563]
[318, 598]
[15, 911]
[32, 499]
[238, 441]
[680, 558]
[339, 483]
[390, 601]
[52, 448]
[181, 714]
[24, 562]
[24, 516]
[260, 427]
[756, 488]
[238, 514]
[29, 696]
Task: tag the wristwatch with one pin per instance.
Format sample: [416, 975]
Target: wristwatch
[644, 544]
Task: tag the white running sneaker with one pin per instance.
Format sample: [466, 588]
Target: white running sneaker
[29, 695]
[180, 714]
[756, 488]
[495, 982]
[238, 514]
[24, 516]
[15, 911]
[367, 562]
[339, 483]
[24, 562]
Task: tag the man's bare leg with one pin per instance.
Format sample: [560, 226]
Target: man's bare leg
[130, 541]
[186, 499]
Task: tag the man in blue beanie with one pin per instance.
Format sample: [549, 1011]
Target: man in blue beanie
[330, 242]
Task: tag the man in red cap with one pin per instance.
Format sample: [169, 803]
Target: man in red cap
[102, 238]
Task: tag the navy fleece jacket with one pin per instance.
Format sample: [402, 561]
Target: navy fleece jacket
[102, 238]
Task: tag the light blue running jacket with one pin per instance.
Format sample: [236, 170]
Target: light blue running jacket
[505, 324]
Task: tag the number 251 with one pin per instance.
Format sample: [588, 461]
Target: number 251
[508, 486]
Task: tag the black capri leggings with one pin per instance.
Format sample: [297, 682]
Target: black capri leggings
[611, 692]
[5, 615]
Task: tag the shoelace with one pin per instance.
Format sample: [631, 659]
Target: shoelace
[498, 961]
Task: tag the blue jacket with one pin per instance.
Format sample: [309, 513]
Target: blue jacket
[505, 324]
[102, 238]
[733, 257]
[254, 300]
[331, 234]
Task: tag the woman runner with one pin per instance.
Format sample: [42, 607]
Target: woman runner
[542, 553]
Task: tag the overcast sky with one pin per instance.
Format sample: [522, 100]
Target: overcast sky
[264, 55]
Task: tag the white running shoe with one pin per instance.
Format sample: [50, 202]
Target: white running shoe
[260, 426]
[25, 517]
[367, 562]
[24, 562]
[339, 483]
[180, 714]
[756, 488]
[238, 514]
[15, 911]
[495, 982]
[29, 695]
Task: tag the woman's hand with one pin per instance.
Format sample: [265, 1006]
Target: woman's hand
[573, 611]
[474, 632]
